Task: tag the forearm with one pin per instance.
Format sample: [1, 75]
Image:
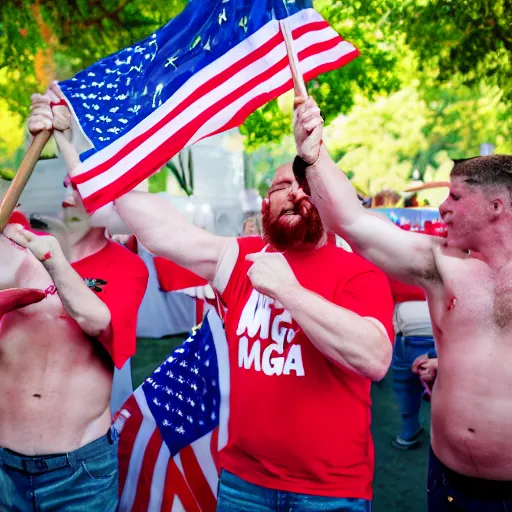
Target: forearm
[67, 150]
[79, 301]
[406, 256]
[347, 339]
[332, 193]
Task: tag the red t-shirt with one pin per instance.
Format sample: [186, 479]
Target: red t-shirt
[298, 422]
[119, 279]
[403, 292]
[172, 277]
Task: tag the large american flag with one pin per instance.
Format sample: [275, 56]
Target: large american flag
[175, 425]
[202, 73]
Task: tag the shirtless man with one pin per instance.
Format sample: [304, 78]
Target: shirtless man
[57, 449]
[467, 281]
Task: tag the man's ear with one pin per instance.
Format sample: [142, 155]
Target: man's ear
[497, 207]
[265, 205]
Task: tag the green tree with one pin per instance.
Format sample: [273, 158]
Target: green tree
[383, 142]
[45, 39]
[470, 39]
[371, 74]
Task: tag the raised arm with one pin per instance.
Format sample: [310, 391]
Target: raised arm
[165, 232]
[406, 256]
[156, 223]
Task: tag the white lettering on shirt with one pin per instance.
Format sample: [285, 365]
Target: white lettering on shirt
[256, 323]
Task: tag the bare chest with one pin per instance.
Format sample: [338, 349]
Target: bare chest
[475, 297]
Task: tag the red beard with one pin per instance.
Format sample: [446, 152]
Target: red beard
[300, 233]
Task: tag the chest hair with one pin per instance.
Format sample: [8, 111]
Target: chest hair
[502, 307]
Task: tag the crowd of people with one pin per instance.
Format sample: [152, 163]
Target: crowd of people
[309, 327]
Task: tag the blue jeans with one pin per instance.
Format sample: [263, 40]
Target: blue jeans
[236, 495]
[79, 481]
[450, 492]
[406, 385]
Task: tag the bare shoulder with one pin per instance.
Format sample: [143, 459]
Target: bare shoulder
[443, 252]
[449, 260]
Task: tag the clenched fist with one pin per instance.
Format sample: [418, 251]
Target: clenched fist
[426, 370]
[308, 129]
[42, 247]
[270, 273]
[47, 112]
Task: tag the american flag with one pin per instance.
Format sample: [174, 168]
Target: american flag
[202, 73]
[175, 424]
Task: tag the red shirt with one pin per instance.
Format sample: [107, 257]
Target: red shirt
[119, 278]
[403, 292]
[298, 422]
[172, 277]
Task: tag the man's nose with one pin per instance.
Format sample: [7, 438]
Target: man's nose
[443, 209]
[297, 192]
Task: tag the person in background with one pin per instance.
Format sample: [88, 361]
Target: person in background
[413, 337]
[411, 201]
[252, 226]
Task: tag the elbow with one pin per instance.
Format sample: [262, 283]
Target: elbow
[381, 360]
[95, 325]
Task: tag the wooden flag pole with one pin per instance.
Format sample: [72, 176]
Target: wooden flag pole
[19, 182]
[299, 85]
[426, 186]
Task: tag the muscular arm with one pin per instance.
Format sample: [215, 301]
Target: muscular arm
[349, 340]
[165, 232]
[406, 256]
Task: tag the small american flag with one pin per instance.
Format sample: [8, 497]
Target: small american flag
[202, 73]
[176, 425]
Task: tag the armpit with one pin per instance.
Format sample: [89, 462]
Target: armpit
[226, 265]
[428, 274]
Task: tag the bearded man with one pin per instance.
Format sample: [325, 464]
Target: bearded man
[66, 318]
[308, 326]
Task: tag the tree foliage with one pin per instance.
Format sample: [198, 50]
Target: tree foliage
[45, 39]
[433, 81]
[470, 39]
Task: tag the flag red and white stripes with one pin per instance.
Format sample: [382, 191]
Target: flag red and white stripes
[149, 479]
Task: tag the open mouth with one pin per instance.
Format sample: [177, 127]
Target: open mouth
[291, 211]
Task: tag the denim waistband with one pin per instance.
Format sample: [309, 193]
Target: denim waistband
[42, 463]
[472, 486]
[417, 340]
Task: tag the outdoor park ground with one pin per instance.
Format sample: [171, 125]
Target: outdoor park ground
[400, 477]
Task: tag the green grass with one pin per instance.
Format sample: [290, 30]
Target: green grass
[151, 353]
[400, 477]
